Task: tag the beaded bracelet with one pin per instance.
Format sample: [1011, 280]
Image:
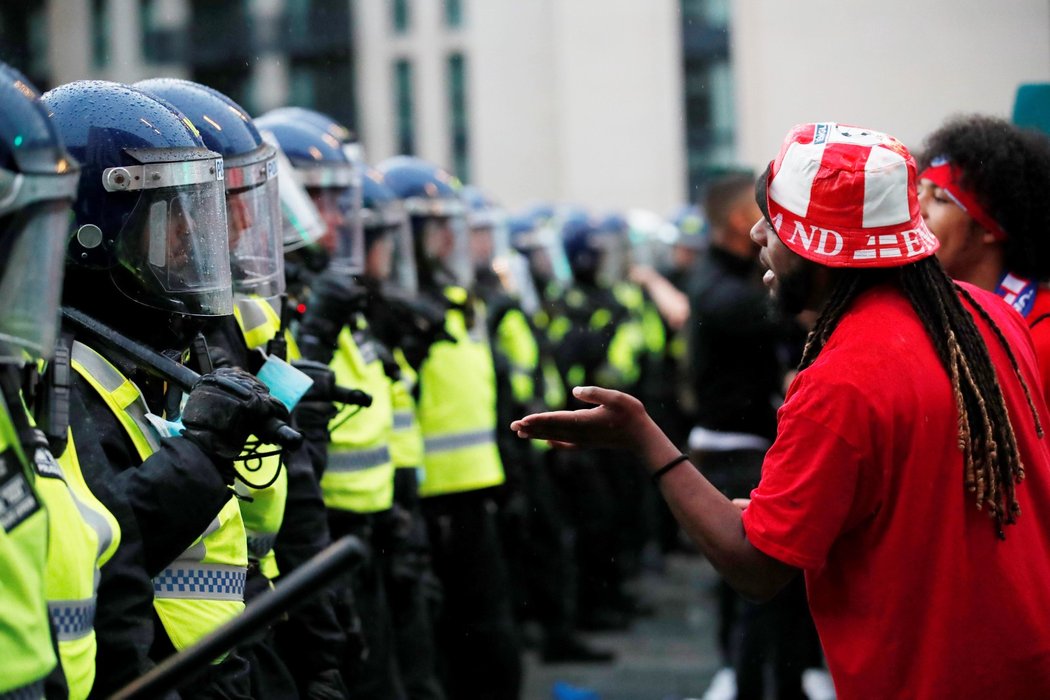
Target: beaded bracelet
[658, 474]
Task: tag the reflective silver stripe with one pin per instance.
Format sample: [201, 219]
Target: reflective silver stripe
[201, 582]
[33, 691]
[260, 543]
[252, 316]
[367, 348]
[358, 460]
[72, 619]
[105, 374]
[457, 441]
[403, 420]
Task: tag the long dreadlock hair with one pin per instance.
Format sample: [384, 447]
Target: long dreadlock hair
[991, 459]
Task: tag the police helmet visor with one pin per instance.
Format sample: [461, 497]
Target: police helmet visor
[342, 241]
[349, 253]
[390, 227]
[301, 225]
[446, 246]
[512, 268]
[33, 250]
[173, 251]
[253, 216]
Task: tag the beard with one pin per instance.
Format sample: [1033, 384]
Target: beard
[794, 289]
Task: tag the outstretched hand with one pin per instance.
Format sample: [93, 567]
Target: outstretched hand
[618, 420]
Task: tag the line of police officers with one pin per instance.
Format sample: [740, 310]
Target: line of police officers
[360, 307]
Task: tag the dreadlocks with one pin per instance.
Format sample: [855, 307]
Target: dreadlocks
[991, 460]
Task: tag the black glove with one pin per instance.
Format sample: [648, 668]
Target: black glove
[315, 410]
[225, 408]
[334, 299]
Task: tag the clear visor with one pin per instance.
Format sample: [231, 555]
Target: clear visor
[513, 270]
[489, 238]
[548, 257]
[33, 254]
[446, 247]
[301, 224]
[343, 240]
[174, 252]
[613, 259]
[390, 259]
[256, 249]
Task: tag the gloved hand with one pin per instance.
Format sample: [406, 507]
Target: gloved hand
[224, 408]
[334, 298]
[315, 410]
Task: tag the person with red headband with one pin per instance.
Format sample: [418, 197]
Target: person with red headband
[909, 479]
[982, 185]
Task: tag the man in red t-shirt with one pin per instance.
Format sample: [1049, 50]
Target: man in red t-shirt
[982, 189]
[909, 479]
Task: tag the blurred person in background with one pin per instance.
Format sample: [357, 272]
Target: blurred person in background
[736, 341]
[981, 189]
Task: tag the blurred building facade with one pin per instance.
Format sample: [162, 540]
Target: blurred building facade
[601, 102]
[604, 103]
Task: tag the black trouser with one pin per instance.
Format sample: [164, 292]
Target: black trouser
[405, 557]
[479, 651]
[777, 633]
[584, 485]
[376, 676]
[546, 564]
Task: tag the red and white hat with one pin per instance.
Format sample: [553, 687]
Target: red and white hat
[844, 196]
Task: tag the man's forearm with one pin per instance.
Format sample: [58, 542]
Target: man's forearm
[713, 522]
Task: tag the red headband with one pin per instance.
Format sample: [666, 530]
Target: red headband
[945, 175]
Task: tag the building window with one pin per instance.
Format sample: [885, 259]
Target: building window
[405, 117]
[99, 33]
[708, 86]
[454, 13]
[457, 103]
[401, 16]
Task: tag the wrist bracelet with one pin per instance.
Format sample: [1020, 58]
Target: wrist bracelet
[668, 467]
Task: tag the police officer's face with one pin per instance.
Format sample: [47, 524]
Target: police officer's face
[438, 238]
[481, 250]
[328, 206]
[380, 257]
[239, 218]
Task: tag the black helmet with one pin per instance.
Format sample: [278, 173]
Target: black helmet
[333, 180]
[151, 207]
[250, 165]
[438, 215]
[38, 182]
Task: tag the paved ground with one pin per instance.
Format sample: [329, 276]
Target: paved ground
[667, 657]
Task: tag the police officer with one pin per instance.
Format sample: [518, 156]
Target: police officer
[462, 467]
[148, 255]
[249, 339]
[358, 479]
[534, 524]
[38, 181]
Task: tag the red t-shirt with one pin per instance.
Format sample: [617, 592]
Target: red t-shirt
[1039, 326]
[913, 594]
